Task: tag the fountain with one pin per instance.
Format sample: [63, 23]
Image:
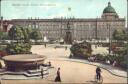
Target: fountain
[23, 62]
[25, 66]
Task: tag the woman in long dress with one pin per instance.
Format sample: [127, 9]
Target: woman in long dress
[58, 79]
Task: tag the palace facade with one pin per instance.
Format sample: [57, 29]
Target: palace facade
[80, 28]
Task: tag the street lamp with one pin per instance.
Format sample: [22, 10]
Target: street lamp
[108, 27]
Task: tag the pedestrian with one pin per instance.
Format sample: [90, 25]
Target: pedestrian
[114, 63]
[98, 73]
[49, 64]
[37, 66]
[94, 58]
[42, 72]
[65, 47]
[107, 61]
[58, 79]
[45, 45]
[55, 47]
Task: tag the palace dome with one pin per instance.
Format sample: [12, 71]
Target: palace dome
[109, 9]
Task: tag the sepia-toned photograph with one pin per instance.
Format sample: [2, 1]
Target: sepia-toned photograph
[63, 41]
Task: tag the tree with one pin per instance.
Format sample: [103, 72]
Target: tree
[20, 34]
[3, 35]
[16, 33]
[121, 56]
[119, 34]
[36, 35]
[26, 34]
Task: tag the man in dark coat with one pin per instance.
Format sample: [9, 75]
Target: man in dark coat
[98, 73]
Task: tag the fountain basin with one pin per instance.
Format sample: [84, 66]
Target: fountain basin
[23, 62]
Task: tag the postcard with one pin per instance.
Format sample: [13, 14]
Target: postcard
[63, 41]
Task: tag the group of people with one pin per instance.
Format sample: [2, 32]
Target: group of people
[109, 62]
[92, 58]
[58, 77]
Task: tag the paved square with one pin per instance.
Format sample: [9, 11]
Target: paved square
[71, 72]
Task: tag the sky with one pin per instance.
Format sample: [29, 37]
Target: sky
[23, 9]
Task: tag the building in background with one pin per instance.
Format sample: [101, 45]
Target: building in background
[80, 28]
[5, 25]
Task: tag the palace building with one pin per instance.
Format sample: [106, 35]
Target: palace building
[79, 28]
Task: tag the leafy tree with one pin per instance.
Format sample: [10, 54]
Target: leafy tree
[20, 34]
[36, 35]
[3, 35]
[18, 48]
[26, 34]
[119, 34]
[120, 56]
[16, 33]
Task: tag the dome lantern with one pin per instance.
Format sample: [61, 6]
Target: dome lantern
[109, 4]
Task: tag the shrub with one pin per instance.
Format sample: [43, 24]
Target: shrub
[82, 50]
[100, 58]
[18, 48]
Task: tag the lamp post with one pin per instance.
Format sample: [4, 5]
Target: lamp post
[96, 30]
[109, 35]
[61, 28]
[68, 36]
